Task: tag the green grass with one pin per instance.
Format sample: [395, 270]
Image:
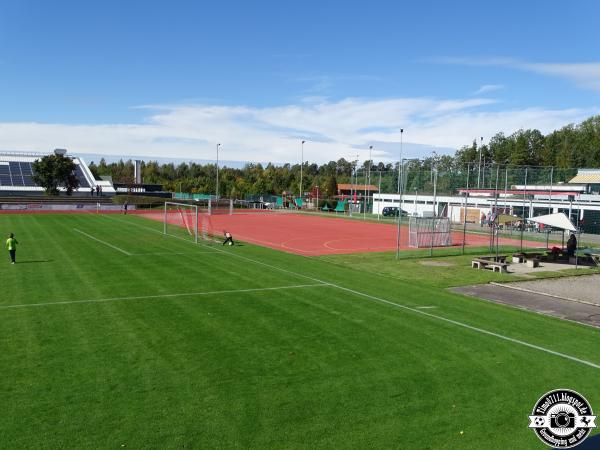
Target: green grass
[297, 367]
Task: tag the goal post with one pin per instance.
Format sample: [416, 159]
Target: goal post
[429, 232]
[181, 220]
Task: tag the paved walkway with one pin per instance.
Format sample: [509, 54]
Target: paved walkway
[578, 312]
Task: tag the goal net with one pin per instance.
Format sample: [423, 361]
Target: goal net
[429, 232]
[213, 207]
[181, 220]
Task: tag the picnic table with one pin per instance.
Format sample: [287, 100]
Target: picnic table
[496, 263]
[528, 256]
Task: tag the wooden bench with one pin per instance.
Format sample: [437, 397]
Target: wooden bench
[496, 266]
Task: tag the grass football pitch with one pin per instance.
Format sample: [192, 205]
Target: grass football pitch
[117, 336]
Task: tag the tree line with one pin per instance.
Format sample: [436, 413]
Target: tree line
[570, 147]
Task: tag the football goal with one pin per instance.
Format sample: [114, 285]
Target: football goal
[429, 232]
[181, 220]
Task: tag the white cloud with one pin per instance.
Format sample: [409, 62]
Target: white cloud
[583, 75]
[488, 88]
[332, 129]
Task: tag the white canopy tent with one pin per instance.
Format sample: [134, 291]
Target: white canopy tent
[557, 220]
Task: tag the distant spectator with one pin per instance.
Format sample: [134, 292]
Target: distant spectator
[125, 207]
[92, 191]
[482, 219]
[571, 245]
[97, 190]
[11, 246]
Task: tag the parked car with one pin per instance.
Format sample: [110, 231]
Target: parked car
[392, 211]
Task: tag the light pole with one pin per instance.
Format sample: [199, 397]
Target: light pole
[416, 196]
[301, 164]
[217, 193]
[369, 179]
[399, 198]
[479, 165]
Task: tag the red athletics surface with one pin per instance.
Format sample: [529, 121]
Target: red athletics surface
[313, 235]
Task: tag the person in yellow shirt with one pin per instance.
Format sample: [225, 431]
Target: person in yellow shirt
[11, 245]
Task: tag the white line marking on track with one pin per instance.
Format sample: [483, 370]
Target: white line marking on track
[426, 307]
[157, 296]
[103, 242]
[408, 308]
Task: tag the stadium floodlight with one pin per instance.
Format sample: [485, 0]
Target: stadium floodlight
[217, 192]
[301, 164]
[479, 165]
[181, 220]
[399, 198]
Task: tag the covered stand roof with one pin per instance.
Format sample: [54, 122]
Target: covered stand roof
[557, 220]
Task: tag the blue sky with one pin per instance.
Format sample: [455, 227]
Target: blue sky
[174, 78]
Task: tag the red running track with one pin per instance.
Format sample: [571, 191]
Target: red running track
[313, 235]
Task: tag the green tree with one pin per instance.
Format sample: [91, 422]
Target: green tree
[331, 186]
[53, 171]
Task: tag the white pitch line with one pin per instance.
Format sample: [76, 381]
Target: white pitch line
[146, 297]
[418, 311]
[160, 232]
[167, 253]
[426, 307]
[103, 242]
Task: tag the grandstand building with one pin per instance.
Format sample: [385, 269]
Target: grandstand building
[16, 172]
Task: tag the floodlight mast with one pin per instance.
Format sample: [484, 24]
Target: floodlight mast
[399, 198]
[479, 165]
[301, 164]
[367, 183]
[217, 191]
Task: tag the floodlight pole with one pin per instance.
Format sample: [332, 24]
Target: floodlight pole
[379, 193]
[551, 186]
[433, 168]
[415, 202]
[367, 179]
[399, 198]
[301, 164]
[217, 191]
[465, 212]
[523, 222]
[496, 212]
[479, 166]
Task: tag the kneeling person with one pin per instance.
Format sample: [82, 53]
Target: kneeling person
[228, 238]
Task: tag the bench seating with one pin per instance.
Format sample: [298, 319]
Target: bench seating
[483, 263]
[524, 257]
